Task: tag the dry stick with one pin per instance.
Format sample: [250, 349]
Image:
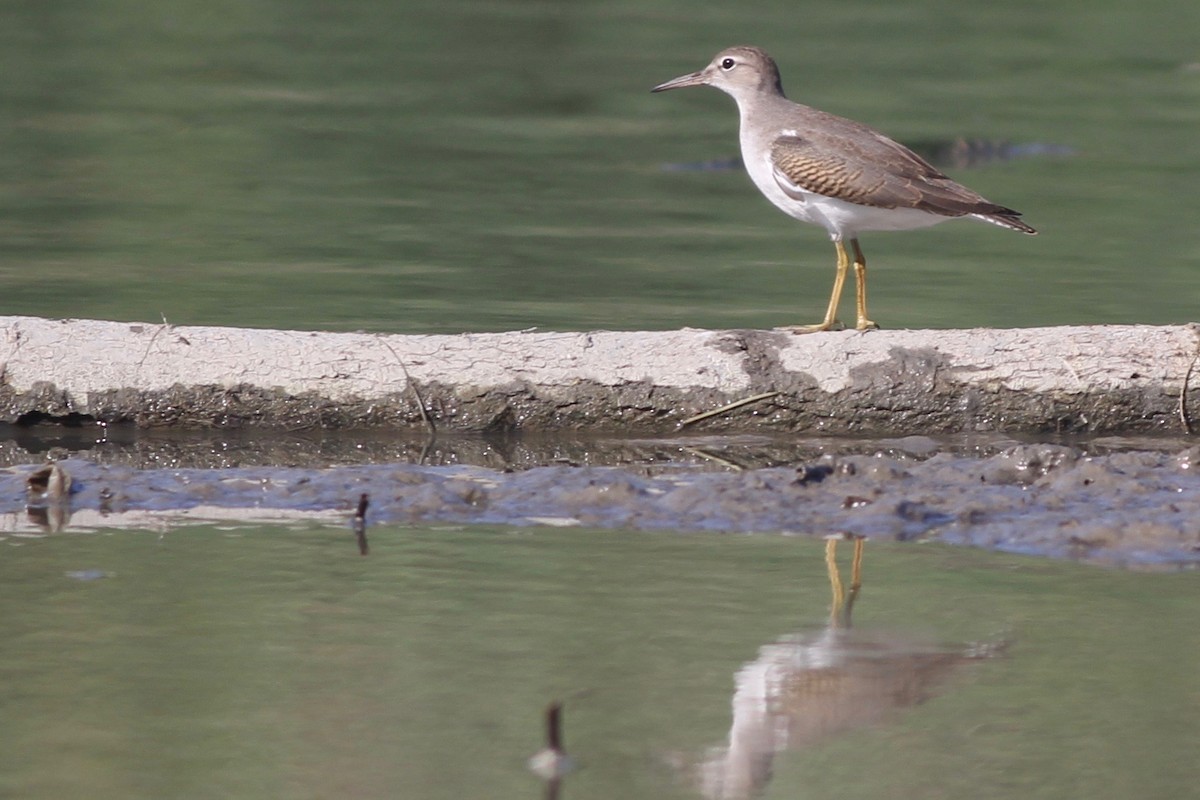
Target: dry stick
[18, 340]
[413, 384]
[166, 326]
[730, 407]
[1187, 377]
[360, 524]
[699, 453]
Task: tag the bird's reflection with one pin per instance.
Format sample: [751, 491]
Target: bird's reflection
[805, 687]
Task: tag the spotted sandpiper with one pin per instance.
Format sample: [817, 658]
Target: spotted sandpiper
[834, 172]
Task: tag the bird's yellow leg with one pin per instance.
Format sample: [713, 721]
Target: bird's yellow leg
[860, 285]
[839, 280]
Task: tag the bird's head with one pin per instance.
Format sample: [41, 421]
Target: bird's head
[737, 71]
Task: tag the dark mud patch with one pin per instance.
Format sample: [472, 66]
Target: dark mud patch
[1128, 507]
[159, 448]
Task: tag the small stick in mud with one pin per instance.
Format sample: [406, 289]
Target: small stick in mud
[551, 763]
[415, 390]
[1183, 409]
[729, 407]
[360, 524]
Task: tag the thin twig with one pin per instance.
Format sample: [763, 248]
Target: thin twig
[360, 524]
[730, 407]
[166, 326]
[1187, 377]
[696, 451]
[412, 385]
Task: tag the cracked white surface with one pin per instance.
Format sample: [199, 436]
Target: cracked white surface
[80, 356]
[1060, 359]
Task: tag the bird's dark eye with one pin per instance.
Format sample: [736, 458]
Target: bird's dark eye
[727, 63]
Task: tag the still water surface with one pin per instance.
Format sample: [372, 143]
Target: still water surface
[411, 167]
[405, 167]
[276, 662]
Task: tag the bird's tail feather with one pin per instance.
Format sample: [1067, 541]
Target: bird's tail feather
[1011, 221]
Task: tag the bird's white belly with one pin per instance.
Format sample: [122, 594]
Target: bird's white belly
[843, 220]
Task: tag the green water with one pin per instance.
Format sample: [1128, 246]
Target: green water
[418, 167]
[275, 662]
[411, 167]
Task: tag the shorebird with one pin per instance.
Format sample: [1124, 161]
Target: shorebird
[834, 172]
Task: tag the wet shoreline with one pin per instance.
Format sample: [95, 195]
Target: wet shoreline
[1126, 507]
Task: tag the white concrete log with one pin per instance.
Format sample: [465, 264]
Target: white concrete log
[1098, 378]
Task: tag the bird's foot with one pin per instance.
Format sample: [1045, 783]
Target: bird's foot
[828, 325]
[865, 324]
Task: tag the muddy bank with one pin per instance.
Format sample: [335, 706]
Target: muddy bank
[1132, 508]
[182, 448]
[1068, 379]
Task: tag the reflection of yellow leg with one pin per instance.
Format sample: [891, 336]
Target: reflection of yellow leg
[835, 578]
[842, 604]
[856, 565]
[855, 574]
[839, 280]
[860, 285]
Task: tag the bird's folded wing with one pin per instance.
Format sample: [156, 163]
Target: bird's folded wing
[888, 176]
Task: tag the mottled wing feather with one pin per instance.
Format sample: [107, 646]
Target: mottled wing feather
[871, 170]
